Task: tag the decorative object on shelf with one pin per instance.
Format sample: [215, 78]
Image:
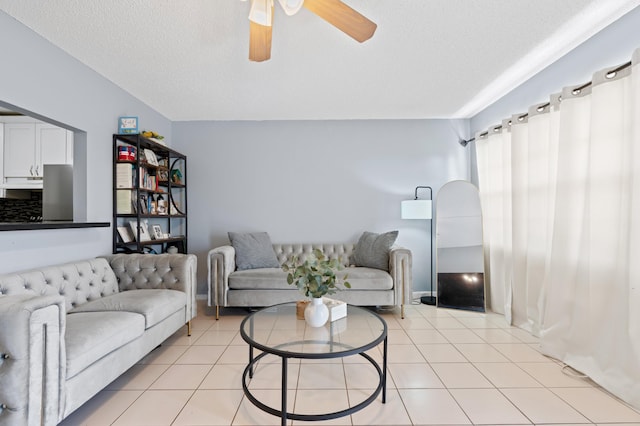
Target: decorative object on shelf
[174, 207]
[126, 153]
[315, 277]
[422, 209]
[127, 125]
[153, 136]
[316, 313]
[176, 176]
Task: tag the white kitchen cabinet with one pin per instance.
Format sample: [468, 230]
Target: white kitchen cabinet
[55, 145]
[29, 145]
[19, 149]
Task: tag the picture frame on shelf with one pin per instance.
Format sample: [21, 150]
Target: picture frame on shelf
[150, 156]
[125, 234]
[144, 230]
[163, 175]
[157, 232]
[161, 205]
[144, 203]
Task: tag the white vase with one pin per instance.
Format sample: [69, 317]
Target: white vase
[316, 313]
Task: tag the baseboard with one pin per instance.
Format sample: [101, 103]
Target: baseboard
[419, 294]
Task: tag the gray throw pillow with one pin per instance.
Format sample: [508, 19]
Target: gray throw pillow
[253, 250]
[372, 250]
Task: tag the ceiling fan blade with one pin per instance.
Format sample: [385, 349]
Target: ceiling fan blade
[260, 29]
[259, 42]
[343, 17]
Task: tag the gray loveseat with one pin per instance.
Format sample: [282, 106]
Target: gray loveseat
[67, 331]
[230, 287]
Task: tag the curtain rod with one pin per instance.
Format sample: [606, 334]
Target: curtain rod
[609, 75]
[577, 90]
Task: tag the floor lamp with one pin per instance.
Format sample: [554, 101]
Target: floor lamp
[422, 209]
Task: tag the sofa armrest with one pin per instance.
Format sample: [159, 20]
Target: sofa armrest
[221, 262]
[400, 268]
[159, 271]
[32, 359]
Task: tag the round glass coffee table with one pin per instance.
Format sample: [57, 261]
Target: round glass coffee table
[276, 330]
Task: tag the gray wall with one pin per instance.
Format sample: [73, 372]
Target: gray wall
[611, 46]
[249, 175]
[314, 181]
[39, 77]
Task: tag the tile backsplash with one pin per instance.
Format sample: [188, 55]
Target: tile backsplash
[19, 210]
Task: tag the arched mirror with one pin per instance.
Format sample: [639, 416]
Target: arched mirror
[460, 261]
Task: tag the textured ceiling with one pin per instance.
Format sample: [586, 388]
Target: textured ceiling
[188, 59]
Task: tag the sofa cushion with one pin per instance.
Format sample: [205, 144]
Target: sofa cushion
[153, 305]
[360, 278]
[372, 250]
[92, 335]
[253, 250]
[263, 278]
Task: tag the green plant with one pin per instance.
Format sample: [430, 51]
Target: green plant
[316, 276]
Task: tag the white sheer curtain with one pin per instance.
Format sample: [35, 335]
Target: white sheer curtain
[494, 175]
[560, 189]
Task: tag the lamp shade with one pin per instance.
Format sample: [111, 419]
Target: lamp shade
[416, 209]
[261, 12]
[291, 7]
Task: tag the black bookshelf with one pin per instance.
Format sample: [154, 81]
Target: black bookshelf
[149, 196]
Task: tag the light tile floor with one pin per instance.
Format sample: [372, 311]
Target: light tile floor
[446, 367]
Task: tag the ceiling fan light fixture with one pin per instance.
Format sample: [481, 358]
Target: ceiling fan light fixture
[291, 7]
[261, 12]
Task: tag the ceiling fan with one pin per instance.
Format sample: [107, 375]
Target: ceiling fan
[334, 12]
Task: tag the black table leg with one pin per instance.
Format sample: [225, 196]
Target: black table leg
[384, 371]
[284, 391]
[251, 349]
[251, 361]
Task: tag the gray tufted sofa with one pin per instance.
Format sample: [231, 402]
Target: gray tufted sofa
[67, 331]
[229, 287]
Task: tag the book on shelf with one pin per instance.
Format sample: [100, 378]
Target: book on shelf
[125, 202]
[147, 180]
[124, 175]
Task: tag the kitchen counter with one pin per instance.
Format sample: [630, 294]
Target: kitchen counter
[29, 226]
